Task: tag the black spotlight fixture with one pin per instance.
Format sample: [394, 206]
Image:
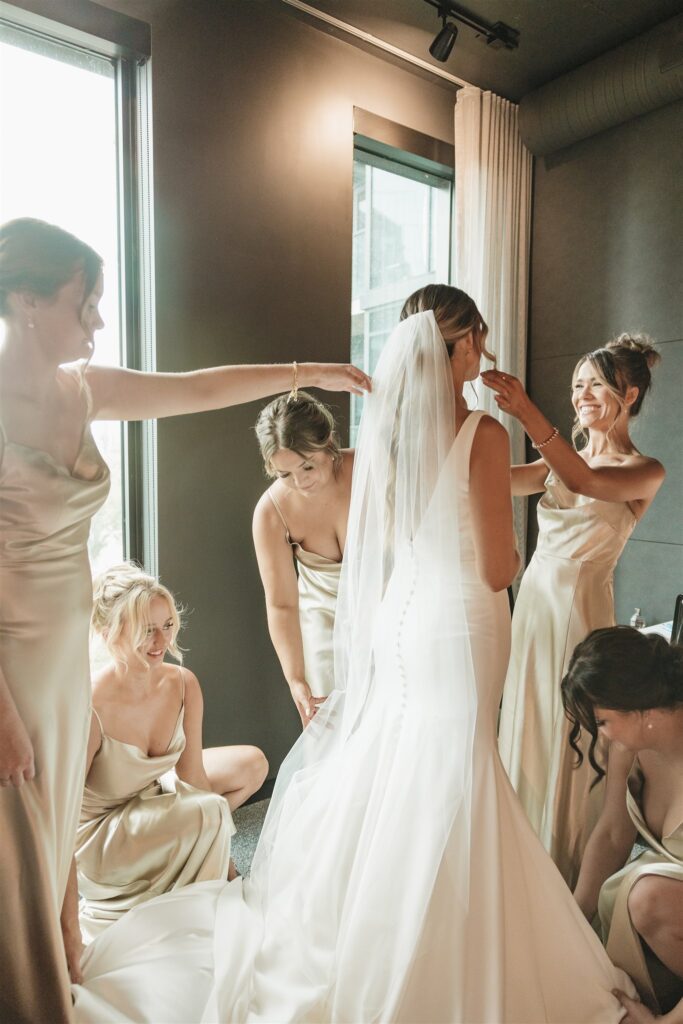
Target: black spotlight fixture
[498, 35]
[444, 41]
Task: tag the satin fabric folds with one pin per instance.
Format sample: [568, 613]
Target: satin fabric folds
[318, 584]
[566, 591]
[45, 602]
[396, 878]
[144, 832]
[663, 857]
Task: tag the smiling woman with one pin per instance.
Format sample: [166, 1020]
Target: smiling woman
[309, 501]
[141, 834]
[591, 502]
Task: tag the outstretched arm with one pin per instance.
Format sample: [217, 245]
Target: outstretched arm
[635, 481]
[120, 394]
[529, 479]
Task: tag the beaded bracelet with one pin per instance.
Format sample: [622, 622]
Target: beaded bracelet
[294, 393]
[542, 444]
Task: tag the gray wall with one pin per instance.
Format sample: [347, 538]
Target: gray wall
[607, 256]
[253, 149]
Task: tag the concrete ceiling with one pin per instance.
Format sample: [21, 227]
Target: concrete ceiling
[555, 35]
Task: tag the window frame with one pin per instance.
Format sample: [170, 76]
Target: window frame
[384, 144]
[126, 43]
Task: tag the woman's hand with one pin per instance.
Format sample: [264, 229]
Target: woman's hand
[637, 1012]
[17, 764]
[510, 395]
[73, 947]
[336, 377]
[306, 705]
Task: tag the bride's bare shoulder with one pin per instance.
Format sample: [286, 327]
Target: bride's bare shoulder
[490, 433]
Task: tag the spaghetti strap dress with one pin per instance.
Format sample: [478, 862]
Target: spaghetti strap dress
[137, 838]
[45, 604]
[318, 583]
[663, 857]
[566, 592]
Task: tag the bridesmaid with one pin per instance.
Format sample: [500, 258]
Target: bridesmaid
[592, 499]
[628, 687]
[143, 832]
[52, 481]
[309, 500]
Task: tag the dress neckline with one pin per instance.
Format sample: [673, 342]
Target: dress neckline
[147, 756]
[295, 543]
[634, 785]
[60, 466]
[136, 746]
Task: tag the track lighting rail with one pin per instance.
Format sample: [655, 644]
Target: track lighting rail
[497, 36]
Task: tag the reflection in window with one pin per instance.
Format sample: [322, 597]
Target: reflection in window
[401, 241]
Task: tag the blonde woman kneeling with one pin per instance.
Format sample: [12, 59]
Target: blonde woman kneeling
[141, 834]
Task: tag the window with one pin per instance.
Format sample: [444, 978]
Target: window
[66, 113]
[401, 242]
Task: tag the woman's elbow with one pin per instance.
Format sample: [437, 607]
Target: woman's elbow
[500, 575]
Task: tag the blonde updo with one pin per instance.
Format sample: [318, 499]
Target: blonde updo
[122, 597]
[302, 425]
[455, 313]
[624, 362]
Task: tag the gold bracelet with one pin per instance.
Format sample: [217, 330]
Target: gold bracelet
[542, 444]
[294, 393]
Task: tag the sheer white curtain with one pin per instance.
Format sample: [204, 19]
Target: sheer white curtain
[491, 238]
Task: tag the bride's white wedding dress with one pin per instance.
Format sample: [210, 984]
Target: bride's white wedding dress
[397, 877]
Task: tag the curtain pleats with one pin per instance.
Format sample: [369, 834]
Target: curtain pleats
[491, 237]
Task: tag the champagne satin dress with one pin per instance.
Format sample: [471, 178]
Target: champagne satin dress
[45, 604]
[664, 856]
[566, 592]
[318, 582]
[138, 837]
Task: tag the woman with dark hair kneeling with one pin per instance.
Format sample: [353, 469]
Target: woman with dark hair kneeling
[628, 688]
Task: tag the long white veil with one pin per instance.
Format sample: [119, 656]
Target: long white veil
[374, 799]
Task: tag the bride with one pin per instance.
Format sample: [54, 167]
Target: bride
[397, 877]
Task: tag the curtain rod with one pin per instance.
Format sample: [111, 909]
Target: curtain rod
[380, 44]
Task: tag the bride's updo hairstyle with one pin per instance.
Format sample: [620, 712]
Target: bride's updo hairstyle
[39, 258]
[122, 597]
[624, 362]
[302, 425]
[455, 313]
[621, 669]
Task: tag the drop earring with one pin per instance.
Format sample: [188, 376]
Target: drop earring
[31, 324]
